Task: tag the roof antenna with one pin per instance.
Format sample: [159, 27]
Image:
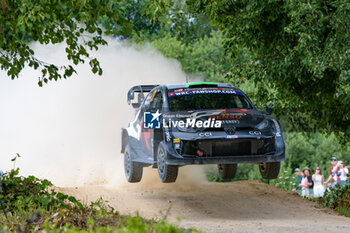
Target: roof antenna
[186, 79]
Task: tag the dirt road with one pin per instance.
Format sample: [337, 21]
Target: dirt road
[245, 206]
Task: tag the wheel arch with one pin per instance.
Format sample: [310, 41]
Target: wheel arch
[158, 137]
[125, 139]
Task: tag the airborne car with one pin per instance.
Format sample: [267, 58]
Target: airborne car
[198, 123]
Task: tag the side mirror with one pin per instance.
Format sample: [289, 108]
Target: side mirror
[268, 109]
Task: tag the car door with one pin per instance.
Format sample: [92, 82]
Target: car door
[148, 135]
[140, 136]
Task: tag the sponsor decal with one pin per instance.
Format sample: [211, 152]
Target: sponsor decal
[176, 140]
[167, 136]
[229, 116]
[205, 134]
[231, 136]
[230, 130]
[151, 120]
[231, 122]
[256, 132]
[180, 92]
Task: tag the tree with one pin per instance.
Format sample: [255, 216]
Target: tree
[299, 56]
[136, 12]
[203, 57]
[72, 22]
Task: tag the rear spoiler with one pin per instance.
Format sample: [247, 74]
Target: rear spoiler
[139, 88]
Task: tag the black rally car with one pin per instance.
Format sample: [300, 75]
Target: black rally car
[198, 123]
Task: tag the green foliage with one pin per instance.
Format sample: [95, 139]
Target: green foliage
[337, 198]
[32, 206]
[52, 22]
[245, 171]
[286, 180]
[25, 192]
[299, 56]
[191, 40]
[204, 57]
[343, 211]
[136, 12]
[314, 150]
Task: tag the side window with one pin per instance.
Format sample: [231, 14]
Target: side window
[146, 105]
[148, 100]
[156, 101]
[238, 102]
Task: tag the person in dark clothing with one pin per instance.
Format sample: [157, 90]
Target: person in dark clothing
[309, 179]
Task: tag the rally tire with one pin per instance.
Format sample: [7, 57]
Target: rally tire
[227, 171]
[133, 170]
[269, 170]
[167, 173]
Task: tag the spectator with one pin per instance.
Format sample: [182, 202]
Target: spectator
[342, 173]
[318, 180]
[298, 173]
[333, 175]
[309, 179]
[304, 185]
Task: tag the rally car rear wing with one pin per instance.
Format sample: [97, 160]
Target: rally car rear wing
[141, 89]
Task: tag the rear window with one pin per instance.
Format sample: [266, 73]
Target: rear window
[206, 98]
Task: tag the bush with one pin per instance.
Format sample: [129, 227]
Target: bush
[33, 205]
[285, 180]
[25, 192]
[337, 198]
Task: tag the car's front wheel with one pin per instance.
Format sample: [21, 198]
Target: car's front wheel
[227, 171]
[167, 173]
[269, 170]
[133, 170]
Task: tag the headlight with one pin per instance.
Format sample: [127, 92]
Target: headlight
[189, 129]
[186, 129]
[263, 125]
[181, 127]
[277, 128]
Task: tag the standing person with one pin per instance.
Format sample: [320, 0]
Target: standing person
[342, 173]
[304, 185]
[333, 175]
[309, 180]
[318, 179]
[298, 173]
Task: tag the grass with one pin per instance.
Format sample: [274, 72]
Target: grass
[343, 211]
[337, 199]
[32, 205]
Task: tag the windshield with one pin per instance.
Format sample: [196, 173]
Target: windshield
[206, 98]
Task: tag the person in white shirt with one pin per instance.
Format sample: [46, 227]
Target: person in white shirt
[342, 172]
[318, 179]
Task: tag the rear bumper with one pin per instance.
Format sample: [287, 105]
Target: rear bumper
[267, 158]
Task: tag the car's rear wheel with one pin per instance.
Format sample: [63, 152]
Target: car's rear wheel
[269, 170]
[133, 170]
[167, 173]
[227, 171]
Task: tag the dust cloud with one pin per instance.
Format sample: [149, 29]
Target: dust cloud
[69, 131]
